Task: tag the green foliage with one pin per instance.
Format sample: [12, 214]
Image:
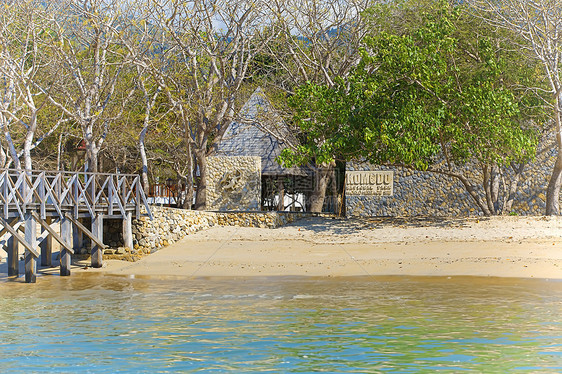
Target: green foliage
[421, 92]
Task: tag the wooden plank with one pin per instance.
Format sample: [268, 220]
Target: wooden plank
[47, 245]
[77, 237]
[53, 233]
[81, 193]
[14, 223]
[5, 177]
[67, 190]
[65, 258]
[146, 206]
[30, 254]
[101, 190]
[42, 198]
[19, 237]
[92, 191]
[56, 203]
[14, 193]
[97, 251]
[110, 189]
[34, 189]
[76, 196]
[88, 233]
[138, 186]
[13, 260]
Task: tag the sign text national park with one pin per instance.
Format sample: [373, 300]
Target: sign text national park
[369, 183]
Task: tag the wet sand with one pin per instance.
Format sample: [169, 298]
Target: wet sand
[524, 247]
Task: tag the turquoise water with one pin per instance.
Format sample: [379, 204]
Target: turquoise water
[104, 324]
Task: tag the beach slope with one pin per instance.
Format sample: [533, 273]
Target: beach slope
[528, 247]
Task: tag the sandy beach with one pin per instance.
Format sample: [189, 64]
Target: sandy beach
[527, 247]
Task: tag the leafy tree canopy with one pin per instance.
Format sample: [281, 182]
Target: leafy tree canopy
[428, 91]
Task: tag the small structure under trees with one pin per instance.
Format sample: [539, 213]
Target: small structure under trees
[261, 132]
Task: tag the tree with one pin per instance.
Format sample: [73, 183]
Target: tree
[320, 42]
[22, 30]
[539, 24]
[205, 49]
[87, 47]
[423, 99]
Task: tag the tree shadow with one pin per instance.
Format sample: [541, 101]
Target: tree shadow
[347, 226]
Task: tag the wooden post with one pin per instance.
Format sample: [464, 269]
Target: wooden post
[281, 205]
[13, 260]
[77, 238]
[128, 231]
[65, 255]
[97, 230]
[47, 247]
[30, 238]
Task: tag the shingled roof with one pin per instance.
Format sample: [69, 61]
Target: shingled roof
[261, 133]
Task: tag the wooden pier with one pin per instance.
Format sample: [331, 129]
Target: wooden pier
[48, 199]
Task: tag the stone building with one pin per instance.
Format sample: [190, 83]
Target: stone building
[261, 133]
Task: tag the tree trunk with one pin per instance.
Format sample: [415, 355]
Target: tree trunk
[495, 188]
[323, 174]
[12, 150]
[59, 152]
[189, 191]
[3, 157]
[491, 184]
[201, 196]
[508, 202]
[27, 150]
[470, 189]
[91, 157]
[486, 171]
[144, 160]
[553, 189]
[188, 199]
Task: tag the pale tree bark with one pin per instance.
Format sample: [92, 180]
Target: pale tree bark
[539, 23]
[209, 46]
[21, 25]
[149, 100]
[511, 188]
[321, 40]
[3, 157]
[90, 65]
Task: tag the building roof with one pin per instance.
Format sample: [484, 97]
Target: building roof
[260, 132]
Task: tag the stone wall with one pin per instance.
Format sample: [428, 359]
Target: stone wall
[234, 183]
[170, 225]
[424, 193]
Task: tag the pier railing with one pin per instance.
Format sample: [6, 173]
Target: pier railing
[49, 192]
[59, 202]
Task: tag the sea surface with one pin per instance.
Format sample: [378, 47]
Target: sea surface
[106, 324]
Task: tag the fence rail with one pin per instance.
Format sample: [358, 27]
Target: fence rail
[49, 192]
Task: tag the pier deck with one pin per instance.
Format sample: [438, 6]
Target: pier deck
[64, 199]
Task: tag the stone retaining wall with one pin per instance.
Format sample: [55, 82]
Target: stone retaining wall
[170, 224]
[429, 194]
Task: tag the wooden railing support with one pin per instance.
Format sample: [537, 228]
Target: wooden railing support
[47, 246]
[30, 257]
[77, 238]
[97, 250]
[13, 260]
[128, 230]
[65, 257]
